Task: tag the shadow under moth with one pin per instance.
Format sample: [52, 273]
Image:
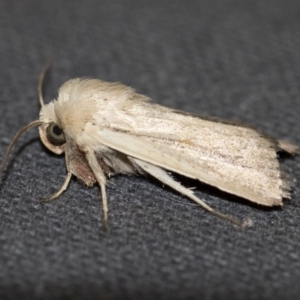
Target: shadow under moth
[107, 128]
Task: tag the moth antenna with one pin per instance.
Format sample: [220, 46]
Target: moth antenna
[14, 140]
[41, 80]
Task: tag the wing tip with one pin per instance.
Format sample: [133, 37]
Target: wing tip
[288, 147]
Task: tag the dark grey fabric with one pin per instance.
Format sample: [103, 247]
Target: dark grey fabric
[238, 60]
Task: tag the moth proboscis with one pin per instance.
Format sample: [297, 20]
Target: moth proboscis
[107, 128]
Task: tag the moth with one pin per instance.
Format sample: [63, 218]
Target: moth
[107, 128]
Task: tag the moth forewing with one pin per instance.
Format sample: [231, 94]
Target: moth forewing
[254, 177]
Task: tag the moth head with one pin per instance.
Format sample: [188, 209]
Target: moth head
[51, 131]
[53, 137]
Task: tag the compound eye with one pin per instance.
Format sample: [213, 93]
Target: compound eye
[55, 135]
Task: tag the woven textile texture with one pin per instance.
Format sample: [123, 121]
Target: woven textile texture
[237, 60]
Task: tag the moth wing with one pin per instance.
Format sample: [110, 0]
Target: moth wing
[259, 182]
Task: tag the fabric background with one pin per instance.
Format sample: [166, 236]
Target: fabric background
[238, 60]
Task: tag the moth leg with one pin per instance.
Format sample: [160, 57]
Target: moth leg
[60, 191]
[165, 178]
[101, 179]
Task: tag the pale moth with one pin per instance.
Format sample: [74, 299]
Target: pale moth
[107, 128]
